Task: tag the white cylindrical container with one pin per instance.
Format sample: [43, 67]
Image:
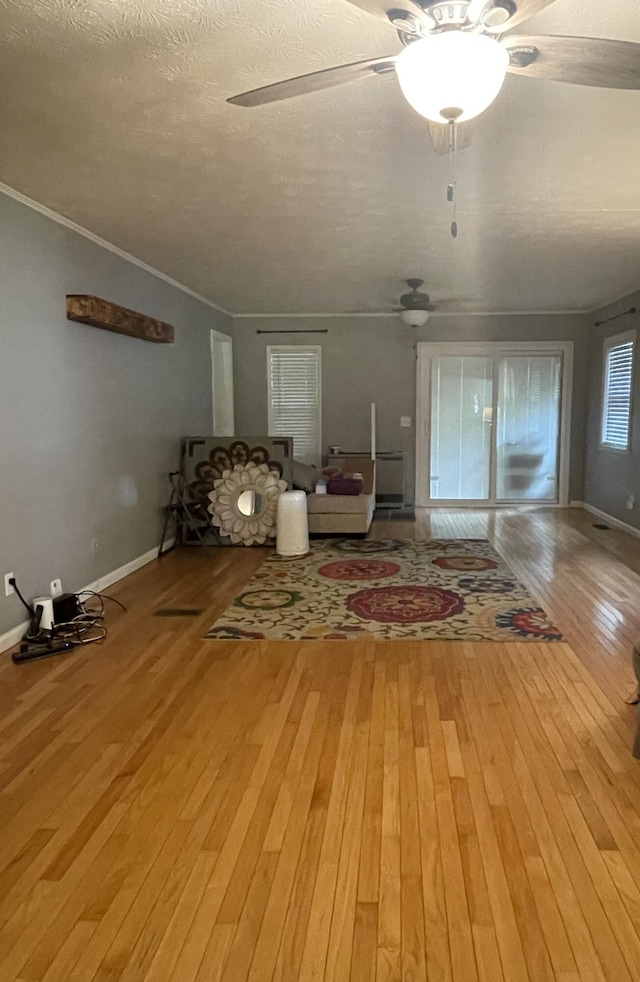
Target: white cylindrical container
[46, 619]
[292, 528]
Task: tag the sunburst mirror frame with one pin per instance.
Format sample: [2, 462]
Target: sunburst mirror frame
[229, 517]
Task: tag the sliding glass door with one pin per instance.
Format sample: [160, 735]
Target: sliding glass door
[490, 423]
[461, 388]
[528, 428]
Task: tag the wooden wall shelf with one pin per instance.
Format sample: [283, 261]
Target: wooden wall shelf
[109, 316]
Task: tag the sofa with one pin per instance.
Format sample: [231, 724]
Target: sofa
[344, 513]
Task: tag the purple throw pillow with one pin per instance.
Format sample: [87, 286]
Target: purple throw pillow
[344, 485]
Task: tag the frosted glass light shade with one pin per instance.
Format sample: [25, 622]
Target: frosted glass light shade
[415, 318]
[452, 75]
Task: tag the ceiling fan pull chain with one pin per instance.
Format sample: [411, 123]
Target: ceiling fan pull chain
[451, 186]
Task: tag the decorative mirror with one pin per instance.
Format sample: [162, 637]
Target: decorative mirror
[250, 503]
[244, 502]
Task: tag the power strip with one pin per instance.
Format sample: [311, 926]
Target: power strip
[33, 650]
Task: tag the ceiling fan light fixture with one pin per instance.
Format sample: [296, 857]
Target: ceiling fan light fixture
[453, 75]
[415, 318]
[491, 13]
[409, 23]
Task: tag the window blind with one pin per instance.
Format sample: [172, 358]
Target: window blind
[618, 381]
[294, 398]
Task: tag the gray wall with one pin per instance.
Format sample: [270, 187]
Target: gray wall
[91, 421]
[610, 476]
[368, 360]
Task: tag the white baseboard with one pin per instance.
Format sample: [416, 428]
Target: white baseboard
[610, 520]
[119, 574]
[10, 638]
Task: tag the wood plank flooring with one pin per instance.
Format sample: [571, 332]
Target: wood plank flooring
[179, 809]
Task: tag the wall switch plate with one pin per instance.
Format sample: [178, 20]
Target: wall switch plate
[405, 421]
[9, 589]
[56, 588]
[631, 502]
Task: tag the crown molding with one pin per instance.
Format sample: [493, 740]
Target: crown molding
[437, 313]
[625, 298]
[109, 246]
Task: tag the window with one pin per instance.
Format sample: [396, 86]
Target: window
[617, 387]
[293, 380]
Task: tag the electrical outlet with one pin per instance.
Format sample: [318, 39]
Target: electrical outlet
[9, 589]
[56, 588]
[631, 502]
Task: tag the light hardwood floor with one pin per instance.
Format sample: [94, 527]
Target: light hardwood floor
[190, 810]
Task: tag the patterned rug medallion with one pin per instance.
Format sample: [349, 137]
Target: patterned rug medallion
[447, 589]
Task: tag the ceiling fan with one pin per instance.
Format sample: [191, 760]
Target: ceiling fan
[416, 307]
[454, 61]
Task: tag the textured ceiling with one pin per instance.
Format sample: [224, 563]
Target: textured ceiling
[113, 114]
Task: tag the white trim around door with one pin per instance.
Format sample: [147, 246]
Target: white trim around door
[426, 351]
[222, 384]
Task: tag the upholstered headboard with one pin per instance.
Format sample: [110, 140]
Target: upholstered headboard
[204, 458]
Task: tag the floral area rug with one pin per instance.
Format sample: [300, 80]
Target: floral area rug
[445, 589]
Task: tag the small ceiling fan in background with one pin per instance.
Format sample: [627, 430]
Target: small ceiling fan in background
[416, 307]
[454, 60]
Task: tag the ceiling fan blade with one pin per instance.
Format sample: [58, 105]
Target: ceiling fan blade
[382, 8]
[522, 10]
[582, 61]
[439, 133]
[315, 81]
